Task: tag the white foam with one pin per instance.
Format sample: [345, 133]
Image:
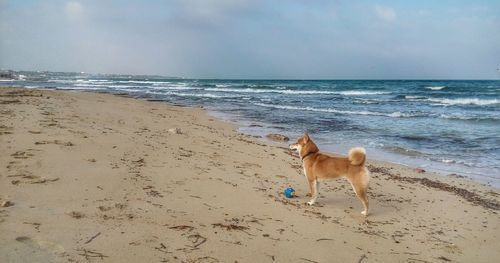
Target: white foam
[140, 81]
[463, 117]
[61, 81]
[121, 86]
[306, 92]
[465, 101]
[105, 85]
[398, 114]
[436, 88]
[98, 80]
[246, 90]
[361, 101]
[202, 95]
[415, 97]
[283, 90]
[451, 161]
[88, 85]
[330, 110]
[80, 88]
[81, 82]
[171, 86]
[361, 93]
[129, 89]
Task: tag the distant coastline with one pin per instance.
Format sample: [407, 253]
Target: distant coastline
[15, 74]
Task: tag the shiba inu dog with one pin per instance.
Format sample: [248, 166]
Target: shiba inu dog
[318, 166]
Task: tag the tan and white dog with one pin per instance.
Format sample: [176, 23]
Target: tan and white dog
[318, 166]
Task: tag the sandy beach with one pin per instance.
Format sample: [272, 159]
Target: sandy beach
[89, 177]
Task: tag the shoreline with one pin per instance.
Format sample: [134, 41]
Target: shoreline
[440, 172]
[207, 193]
[245, 127]
[262, 138]
[477, 166]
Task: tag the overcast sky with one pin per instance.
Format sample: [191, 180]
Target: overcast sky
[295, 39]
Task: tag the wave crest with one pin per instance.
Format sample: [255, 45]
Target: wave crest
[330, 110]
[466, 101]
[436, 87]
[298, 92]
[361, 93]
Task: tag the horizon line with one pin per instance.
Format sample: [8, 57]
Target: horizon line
[253, 79]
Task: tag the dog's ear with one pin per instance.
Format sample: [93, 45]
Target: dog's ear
[306, 137]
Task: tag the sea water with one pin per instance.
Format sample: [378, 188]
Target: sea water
[446, 126]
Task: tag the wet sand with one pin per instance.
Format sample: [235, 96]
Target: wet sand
[87, 177]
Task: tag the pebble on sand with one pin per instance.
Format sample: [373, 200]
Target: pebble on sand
[175, 131]
[6, 204]
[278, 137]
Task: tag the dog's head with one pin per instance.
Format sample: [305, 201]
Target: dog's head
[300, 143]
[304, 146]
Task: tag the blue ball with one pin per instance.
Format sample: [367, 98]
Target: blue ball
[289, 192]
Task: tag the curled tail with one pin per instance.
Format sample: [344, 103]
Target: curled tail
[357, 156]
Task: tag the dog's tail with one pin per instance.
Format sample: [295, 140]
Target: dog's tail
[357, 156]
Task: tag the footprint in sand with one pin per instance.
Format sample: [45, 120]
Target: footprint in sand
[42, 250]
[5, 130]
[21, 155]
[32, 179]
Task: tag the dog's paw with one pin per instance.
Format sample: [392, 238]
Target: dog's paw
[310, 202]
[309, 195]
[364, 212]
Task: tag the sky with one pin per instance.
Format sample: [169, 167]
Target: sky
[279, 39]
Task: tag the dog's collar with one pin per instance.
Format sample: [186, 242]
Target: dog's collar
[307, 155]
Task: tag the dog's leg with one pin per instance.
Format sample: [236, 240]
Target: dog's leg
[311, 190]
[317, 187]
[310, 185]
[360, 191]
[314, 191]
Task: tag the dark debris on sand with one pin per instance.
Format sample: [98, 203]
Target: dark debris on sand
[464, 193]
[230, 226]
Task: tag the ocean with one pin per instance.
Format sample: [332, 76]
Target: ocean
[444, 126]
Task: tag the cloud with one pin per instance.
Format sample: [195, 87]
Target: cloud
[205, 13]
[73, 10]
[386, 14]
[211, 8]
[252, 38]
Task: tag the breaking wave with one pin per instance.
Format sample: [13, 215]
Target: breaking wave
[330, 110]
[436, 87]
[465, 101]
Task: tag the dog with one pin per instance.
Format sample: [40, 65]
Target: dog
[318, 166]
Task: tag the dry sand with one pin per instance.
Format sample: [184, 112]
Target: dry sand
[97, 177]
